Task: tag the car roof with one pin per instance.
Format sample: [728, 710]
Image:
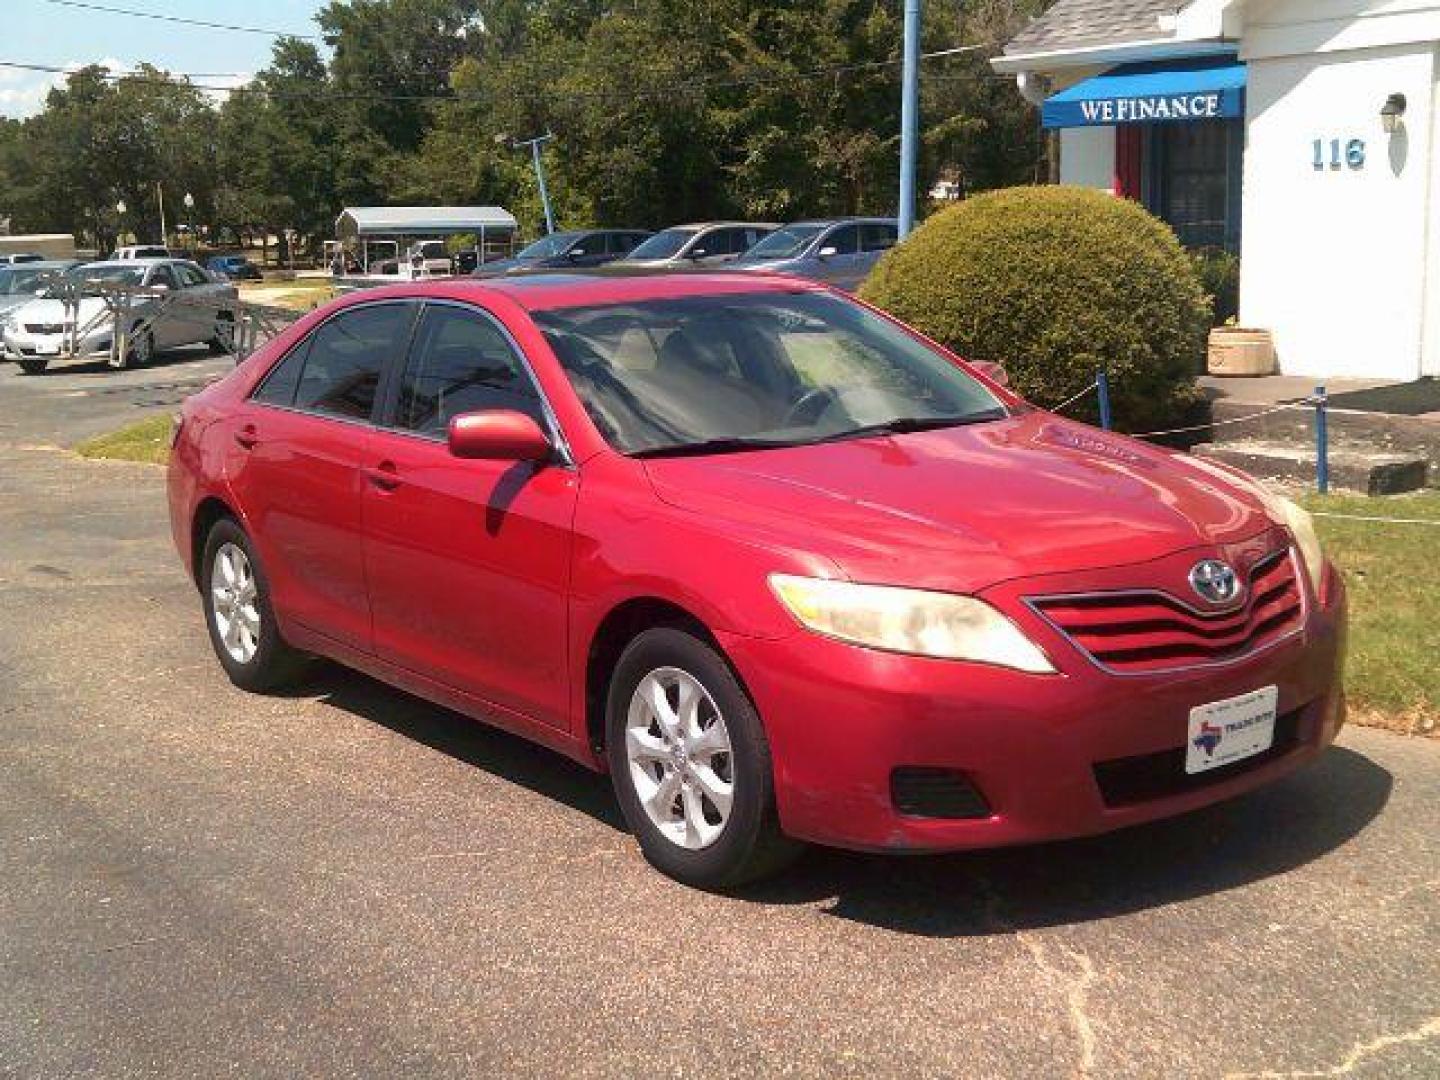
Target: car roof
[49, 264]
[841, 221]
[149, 260]
[567, 289]
[725, 225]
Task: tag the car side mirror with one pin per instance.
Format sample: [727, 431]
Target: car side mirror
[828, 250]
[499, 435]
[996, 373]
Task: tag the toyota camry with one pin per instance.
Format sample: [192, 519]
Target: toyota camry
[785, 569]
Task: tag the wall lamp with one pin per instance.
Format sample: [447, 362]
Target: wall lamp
[1393, 113]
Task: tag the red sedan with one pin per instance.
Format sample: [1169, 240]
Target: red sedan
[786, 569]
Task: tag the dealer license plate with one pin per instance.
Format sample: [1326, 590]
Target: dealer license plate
[1225, 732]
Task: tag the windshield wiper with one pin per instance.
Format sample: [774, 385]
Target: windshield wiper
[906, 425]
[715, 446]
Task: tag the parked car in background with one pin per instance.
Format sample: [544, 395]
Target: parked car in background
[579, 247]
[234, 267]
[708, 244]
[788, 570]
[21, 257]
[21, 283]
[140, 251]
[839, 251]
[38, 332]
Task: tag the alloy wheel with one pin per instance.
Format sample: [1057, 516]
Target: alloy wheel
[678, 750]
[234, 602]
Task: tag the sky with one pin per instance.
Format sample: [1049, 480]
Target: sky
[54, 35]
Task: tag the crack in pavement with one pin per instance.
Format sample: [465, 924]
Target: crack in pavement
[1358, 1053]
[1074, 986]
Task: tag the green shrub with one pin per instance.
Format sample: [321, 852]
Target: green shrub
[1057, 283]
[1219, 273]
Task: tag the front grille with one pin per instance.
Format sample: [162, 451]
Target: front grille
[1148, 632]
[46, 328]
[936, 793]
[1128, 781]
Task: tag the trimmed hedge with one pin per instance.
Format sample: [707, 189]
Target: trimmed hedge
[1057, 283]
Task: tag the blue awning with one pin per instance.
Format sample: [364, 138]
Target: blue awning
[1152, 93]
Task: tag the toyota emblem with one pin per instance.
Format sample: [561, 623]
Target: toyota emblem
[1215, 581]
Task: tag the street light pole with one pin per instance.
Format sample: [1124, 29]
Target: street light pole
[160, 202]
[189, 202]
[909, 116]
[120, 209]
[535, 144]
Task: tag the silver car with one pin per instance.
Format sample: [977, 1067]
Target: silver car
[22, 282]
[706, 244]
[40, 331]
[840, 251]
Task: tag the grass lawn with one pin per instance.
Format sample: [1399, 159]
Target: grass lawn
[144, 440]
[1393, 572]
[302, 294]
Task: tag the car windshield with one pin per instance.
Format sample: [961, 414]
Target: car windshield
[544, 248]
[717, 374]
[86, 276]
[785, 243]
[663, 244]
[23, 281]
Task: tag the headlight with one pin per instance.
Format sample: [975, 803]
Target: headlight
[1302, 525]
[940, 625]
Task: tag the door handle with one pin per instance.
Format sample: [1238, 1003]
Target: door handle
[383, 476]
[247, 437]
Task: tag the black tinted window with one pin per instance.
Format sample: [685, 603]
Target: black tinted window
[278, 387]
[461, 362]
[346, 356]
[876, 236]
[593, 244]
[845, 241]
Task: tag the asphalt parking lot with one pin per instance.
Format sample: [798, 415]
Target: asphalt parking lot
[348, 881]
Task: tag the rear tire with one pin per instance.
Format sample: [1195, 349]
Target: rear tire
[33, 365]
[710, 741]
[239, 615]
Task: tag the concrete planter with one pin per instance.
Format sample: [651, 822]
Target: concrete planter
[1240, 353]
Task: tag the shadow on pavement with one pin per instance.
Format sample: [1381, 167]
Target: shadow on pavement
[1261, 835]
[158, 362]
[517, 760]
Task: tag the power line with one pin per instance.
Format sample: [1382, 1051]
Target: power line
[187, 79]
[132, 13]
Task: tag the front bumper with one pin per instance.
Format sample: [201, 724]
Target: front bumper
[22, 343]
[1043, 751]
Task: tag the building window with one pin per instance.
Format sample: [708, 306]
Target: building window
[1195, 181]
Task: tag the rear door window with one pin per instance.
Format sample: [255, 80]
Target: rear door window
[845, 240]
[877, 236]
[344, 359]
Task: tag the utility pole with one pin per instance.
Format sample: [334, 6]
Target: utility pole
[909, 116]
[160, 201]
[535, 144]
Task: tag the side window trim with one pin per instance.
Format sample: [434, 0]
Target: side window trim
[388, 418]
[387, 379]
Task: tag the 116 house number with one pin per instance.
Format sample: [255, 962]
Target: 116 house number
[1337, 154]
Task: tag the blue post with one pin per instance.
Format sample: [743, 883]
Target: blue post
[1102, 386]
[909, 116]
[1322, 441]
[540, 181]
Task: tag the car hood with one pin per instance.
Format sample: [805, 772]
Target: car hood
[56, 311]
[966, 508]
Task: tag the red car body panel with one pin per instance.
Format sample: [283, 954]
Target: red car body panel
[483, 584]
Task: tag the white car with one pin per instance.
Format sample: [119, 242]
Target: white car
[139, 251]
[38, 332]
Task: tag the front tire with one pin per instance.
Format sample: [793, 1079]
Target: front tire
[223, 340]
[140, 349]
[691, 765]
[239, 615]
[33, 365]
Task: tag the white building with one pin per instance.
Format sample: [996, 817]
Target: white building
[1300, 133]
